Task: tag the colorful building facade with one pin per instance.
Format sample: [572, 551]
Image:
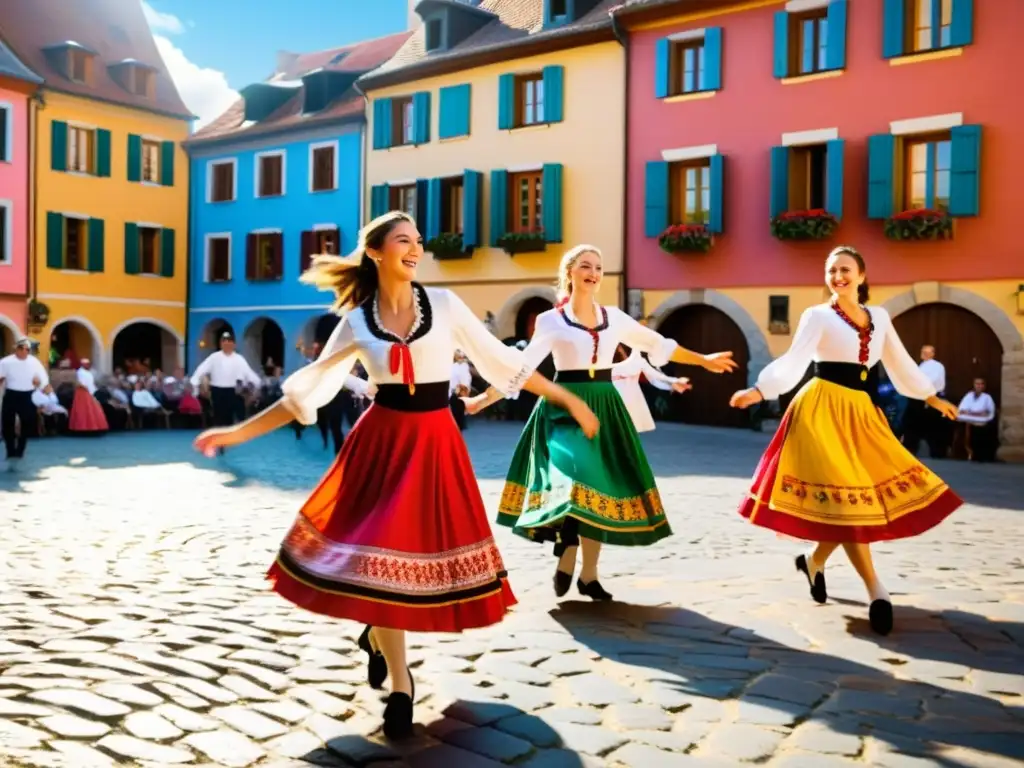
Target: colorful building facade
[748, 118]
[275, 180]
[111, 184]
[18, 84]
[500, 127]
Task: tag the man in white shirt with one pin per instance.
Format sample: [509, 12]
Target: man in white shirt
[227, 370]
[923, 422]
[978, 412]
[459, 387]
[20, 374]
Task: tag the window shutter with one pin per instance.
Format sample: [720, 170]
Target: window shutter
[716, 214]
[54, 241]
[4, 113]
[96, 243]
[453, 120]
[893, 28]
[103, 152]
[422, 191]
[472, 208]
[377, 120]
[167, 164]
[506, 102]
[780, 67]
[662, 62]
[656, 198]
[433, 223]
[382, 124]
[131, 249]
[250, 257]
[499, 205]
[59, 146]
[881, 165]
[834, 177]
[554, 93]
[835, 45]
[167, 252]
[378, 200]
[551, 203]
[307, 242]
[134, 157]
[421, 117]
[965, 167]
[712, 59]
[278, 261]
[961, 27]
[779, 193]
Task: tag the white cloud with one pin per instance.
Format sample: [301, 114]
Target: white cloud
[162, 22]
[205, 91]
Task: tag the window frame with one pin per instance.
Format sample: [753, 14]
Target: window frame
[676, 65]
[905, 172]
[324, 233]
[535, 207]
[6, 232]
[796, 41]
[78, 55]
[439, 40]
[146, 227]
[806, 153]
[7, 150]
[211, 177]
[143, 76]
[521, 86]
[83, 224]
[208, 256]
[398, 196]
[402, 134]
[258, 173]
[911, 10]
[677, 189]
[335, 166]
[157, 146]
[92, 133]
[453, 196]
[267, 233]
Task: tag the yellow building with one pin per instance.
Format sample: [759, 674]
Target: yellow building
[501, 128]
[110, 184]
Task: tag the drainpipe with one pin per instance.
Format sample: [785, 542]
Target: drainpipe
[362, 156]
[36, 103]
[623, 39]
[190, 232]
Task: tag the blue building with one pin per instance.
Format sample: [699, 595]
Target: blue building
[276, 179]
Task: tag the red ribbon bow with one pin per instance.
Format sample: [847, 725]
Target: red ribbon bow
[401, 359]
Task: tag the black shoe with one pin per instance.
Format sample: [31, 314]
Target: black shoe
[398, 713]
[563, 581]
[593, 590]
[818, 590]
[377, 665]
[880, 614]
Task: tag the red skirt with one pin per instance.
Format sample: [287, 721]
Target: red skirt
[87, 415]
[395, 535]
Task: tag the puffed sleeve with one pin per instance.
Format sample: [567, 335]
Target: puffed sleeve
[904, 373]
[786, 371]
[44, 377]
[503, 367]
[658, 348]
[358, 386]
[656, 377]
[314, 386]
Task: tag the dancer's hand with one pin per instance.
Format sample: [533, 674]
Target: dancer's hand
[746, 398]
[719, 362]
[474, 404]
[944, 407]
[209, 441]
[681, 385]
[585, 417]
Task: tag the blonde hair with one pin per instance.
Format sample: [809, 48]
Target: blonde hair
[353, 278]
[565, 267]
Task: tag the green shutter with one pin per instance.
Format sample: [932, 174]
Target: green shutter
[834, 177]
[893, 28]
[779, 193]
[716, 210]
[506, 102]
[96, 245]
[554, 93]
[378, 200]
[454, 103]
[965, 167]
[780, 67]
[881, 182]
[54, 240]
[472, 208]
[167, 165]
[835, 36]
[167, 252]
[433, 223]
[961, 27]
[662, 67]
[134, 157]
[103, 152]
[59, 146]
[551, 202]
[131, 249]
[499, 205]
[656, 190]
[421, 117]
[712, 59]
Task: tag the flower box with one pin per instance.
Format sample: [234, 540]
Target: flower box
[919, 224]
[38, 313]
[522, 242]
[447, 246]
[686, 238]
[816, 224]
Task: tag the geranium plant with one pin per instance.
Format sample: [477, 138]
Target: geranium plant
[919, 224]
[815, 224]
[522, 242]
[686, 238]
[447, 245]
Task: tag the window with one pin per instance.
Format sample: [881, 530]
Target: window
[78, 65]
[526, 202]
[218, 259]
[81, 149]
[222, 182]
[433, 34]
[688, 73]
[75, 239]
[270, 174]
[930, 24]
[452, 195]
[325, 241]
[140, 81]
[151, 161]
[529, 99]
[6, 132]
[808, 177]
[809, 33]
[927, 163]
[6, 225]
[265, 257]
[558, 8]
[403, 198]
[149, 251]
[402, 123]
[322, 163]
[690, 192]
[778, 315]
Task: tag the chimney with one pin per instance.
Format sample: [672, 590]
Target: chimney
[414, 20]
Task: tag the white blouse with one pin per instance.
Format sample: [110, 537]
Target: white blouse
[443, 324]
[823, 336]
[626, 378]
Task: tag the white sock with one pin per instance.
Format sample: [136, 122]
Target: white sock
[877, 592]
[567, 562]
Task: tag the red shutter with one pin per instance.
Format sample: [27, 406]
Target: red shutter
[306, 245]
[278, 255]
[250, 257]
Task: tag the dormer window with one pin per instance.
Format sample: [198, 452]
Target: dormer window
[558, 10]
[140, 81]
[433, 34]
[78, 65]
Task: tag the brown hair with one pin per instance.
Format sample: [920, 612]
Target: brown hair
[353, 278]
[863, 290]
[568, 261]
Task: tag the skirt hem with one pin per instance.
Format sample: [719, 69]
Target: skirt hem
[547, 530]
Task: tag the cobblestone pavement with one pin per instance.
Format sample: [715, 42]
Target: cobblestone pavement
[137, 629]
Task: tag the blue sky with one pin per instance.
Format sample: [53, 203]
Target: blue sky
[213, 48]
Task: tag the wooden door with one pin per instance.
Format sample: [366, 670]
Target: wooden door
[963, 342]
[704, 329]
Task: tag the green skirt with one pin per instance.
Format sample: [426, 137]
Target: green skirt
[562, 486]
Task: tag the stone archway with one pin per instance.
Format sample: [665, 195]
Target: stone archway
[505, 322]
[75, 338]
[263, 342]
[1011, 411]
[209, 337]
[146, 337]
[318, 330]
[9, 335]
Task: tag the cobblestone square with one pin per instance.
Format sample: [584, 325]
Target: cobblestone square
[137, 628]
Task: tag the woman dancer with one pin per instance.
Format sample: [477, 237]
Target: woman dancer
[395, 535]
[87, 417]
[561, 487]
[626, 377]
[835, 473]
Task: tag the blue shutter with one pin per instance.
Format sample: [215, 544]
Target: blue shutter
[433, 222]
[656, 198]
[781, 45]
[377, 119]
[834, 177]
[59, 147]
[835, 37]
[421, 117]
[506, 103]
[779, 193]
[551, 202]
[103, 152]
[716, 211]
[382, 124]
[378, 200]
[712, 59]
[472, 208]
[965, 167]
[961, 27]
[422, 197]
[554, 93]
[454, 104]
[662, 67]
[893, 28]
[499, 206]
[881, 167]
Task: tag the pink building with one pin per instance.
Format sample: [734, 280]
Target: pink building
[17, 86]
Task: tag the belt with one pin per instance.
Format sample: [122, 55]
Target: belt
[431, 396]
[850, 375]
[583, 376]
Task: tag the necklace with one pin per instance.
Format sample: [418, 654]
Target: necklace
[864, 333]
[594, 332]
